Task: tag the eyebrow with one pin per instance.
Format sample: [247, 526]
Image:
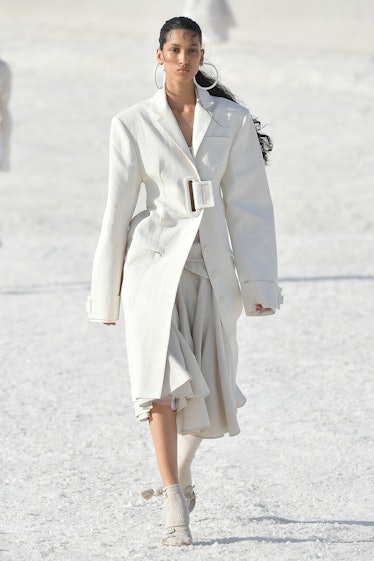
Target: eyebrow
[191, 44]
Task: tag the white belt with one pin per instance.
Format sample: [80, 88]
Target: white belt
[199, 195]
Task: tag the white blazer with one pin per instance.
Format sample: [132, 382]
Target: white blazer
[233, 215]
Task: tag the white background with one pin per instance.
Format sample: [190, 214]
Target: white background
[297, 483]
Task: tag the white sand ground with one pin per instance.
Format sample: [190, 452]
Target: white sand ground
[297, 483]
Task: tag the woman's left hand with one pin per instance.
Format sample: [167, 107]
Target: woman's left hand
[260, 308]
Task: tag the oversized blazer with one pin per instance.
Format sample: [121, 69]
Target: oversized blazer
[219, 191]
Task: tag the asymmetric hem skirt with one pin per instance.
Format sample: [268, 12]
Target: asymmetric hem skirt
[200, 372]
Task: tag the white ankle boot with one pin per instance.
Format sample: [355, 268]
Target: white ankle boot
[177, 531]
[189, 495]
[188, 492]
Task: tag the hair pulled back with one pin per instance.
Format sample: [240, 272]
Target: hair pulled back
[219, 90]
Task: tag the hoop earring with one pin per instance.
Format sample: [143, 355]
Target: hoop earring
[215, 81]
[155, 76]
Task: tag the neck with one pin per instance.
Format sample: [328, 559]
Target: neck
[180, 95]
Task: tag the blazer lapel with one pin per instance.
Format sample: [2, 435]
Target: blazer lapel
[168, 122]
[203, 117]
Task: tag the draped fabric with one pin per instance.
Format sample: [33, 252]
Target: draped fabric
[201, 360]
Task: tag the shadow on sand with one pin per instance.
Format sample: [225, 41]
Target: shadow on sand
[286, 521]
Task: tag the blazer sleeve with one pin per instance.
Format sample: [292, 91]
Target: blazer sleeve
[123, 190]
[250, 220]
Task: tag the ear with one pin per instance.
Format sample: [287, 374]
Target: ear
[202, 57]
[159, 56]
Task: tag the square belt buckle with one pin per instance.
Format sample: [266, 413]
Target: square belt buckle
[199, 194]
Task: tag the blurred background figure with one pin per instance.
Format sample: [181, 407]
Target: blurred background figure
[5, 120]
[214, 16]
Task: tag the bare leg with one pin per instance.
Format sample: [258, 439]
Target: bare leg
[164, 434]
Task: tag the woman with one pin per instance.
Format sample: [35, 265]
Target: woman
[5, 119]
[209, 222]
[215, 17]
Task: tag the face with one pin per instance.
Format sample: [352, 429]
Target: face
[181, 55]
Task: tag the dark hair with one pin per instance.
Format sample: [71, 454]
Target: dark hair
[219, 90]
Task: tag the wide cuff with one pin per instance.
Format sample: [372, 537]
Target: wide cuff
[103, 309]
[268, 294]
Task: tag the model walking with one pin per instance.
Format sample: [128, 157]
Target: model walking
[209, 222]
[5, 119]
[214, 16]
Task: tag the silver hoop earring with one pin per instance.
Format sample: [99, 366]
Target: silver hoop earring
[215, 81]
[155, 76]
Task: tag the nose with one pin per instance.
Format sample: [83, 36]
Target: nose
[183, 58]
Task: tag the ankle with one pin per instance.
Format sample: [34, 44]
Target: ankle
[175, 507]
[169, 482]
[172, 488]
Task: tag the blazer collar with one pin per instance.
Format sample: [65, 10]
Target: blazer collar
[203, 115]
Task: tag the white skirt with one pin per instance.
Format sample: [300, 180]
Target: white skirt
[200, 372]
